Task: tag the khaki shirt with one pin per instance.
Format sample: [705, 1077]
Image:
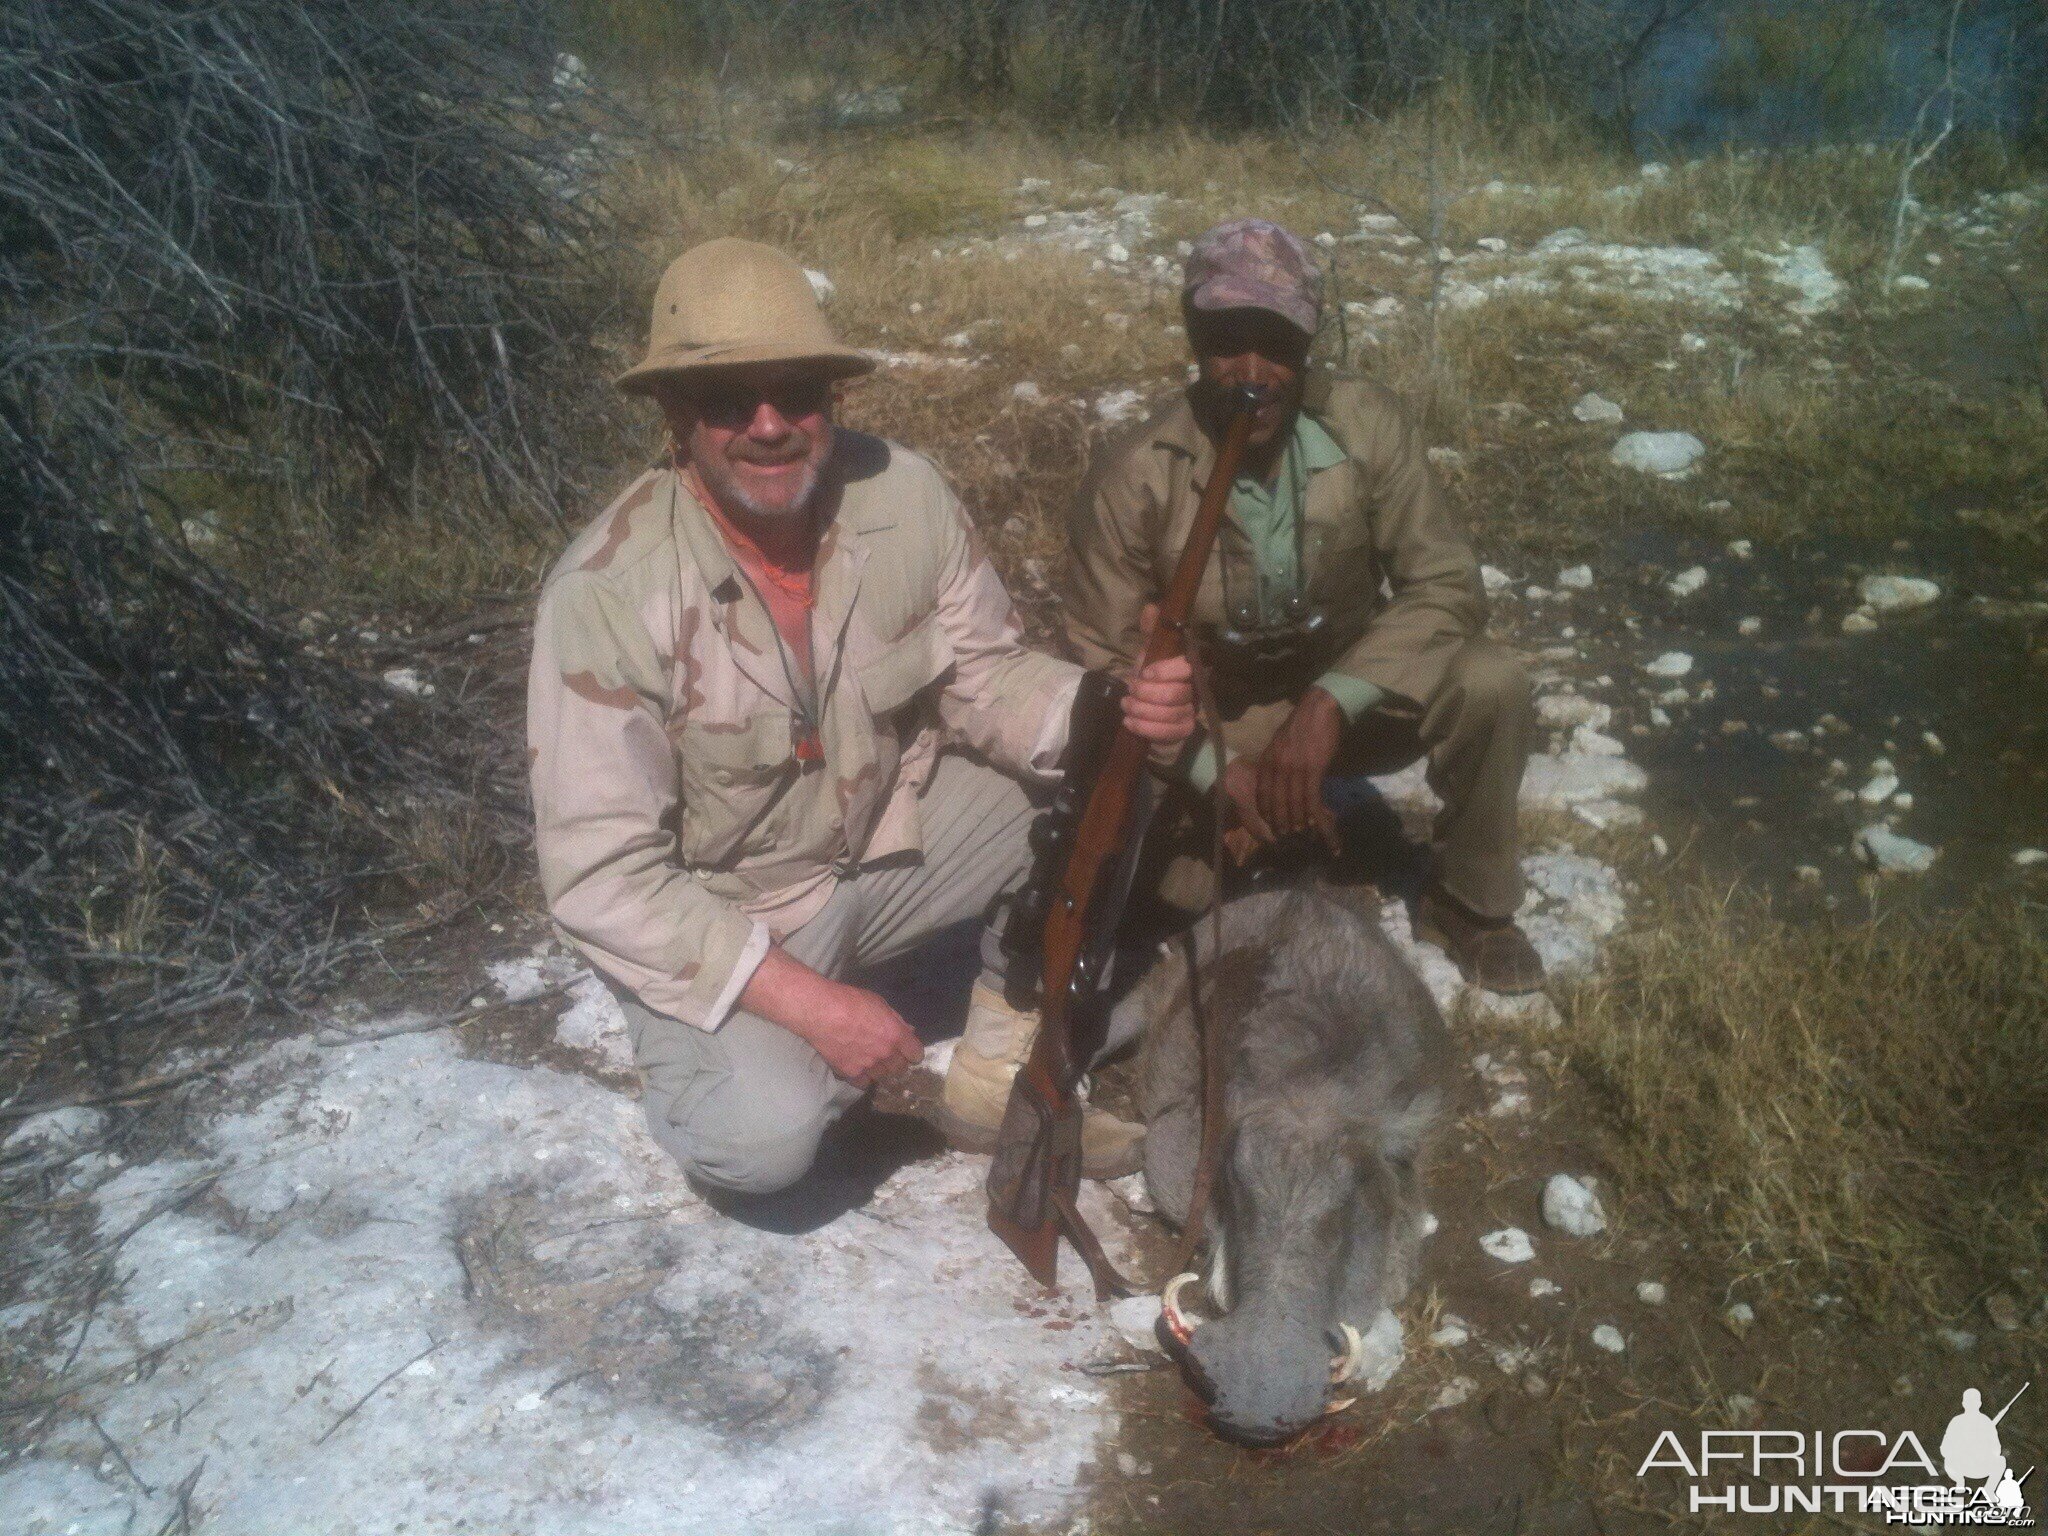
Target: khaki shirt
[1387, 558]
[677, 832]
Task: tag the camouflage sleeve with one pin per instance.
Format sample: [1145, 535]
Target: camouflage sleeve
[604, 802]
[1437, 600]
[1008, 703]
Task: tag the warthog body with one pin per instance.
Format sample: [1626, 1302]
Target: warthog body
[1335, 1062]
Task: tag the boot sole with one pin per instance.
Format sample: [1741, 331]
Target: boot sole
[972, 1136]
[1430, 933]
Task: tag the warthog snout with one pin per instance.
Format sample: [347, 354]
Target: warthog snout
[1333, 1064]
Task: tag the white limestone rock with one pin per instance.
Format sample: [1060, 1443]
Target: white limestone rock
[1572, 1207]
[1510, 1245]
[1565, 711]
[1896, 594]
[1672, 664]
[1893, 853]
[1136, 1319]
[1596, 408]
[1687, 582]
[1667, 455]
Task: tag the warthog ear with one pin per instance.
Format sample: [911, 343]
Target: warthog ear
[1237, 982]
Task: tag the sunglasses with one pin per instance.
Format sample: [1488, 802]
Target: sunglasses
[731, 407]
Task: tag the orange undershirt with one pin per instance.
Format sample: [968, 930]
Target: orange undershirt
[789, 594]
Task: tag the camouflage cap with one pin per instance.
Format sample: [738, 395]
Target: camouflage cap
[1255, 264]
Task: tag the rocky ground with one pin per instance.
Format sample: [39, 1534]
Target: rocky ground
[418, 1267]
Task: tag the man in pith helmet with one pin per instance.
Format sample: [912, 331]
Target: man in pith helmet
[780, 720]
[1342, 611]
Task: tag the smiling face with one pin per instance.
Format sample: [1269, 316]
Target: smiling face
[1235, 348]
[759, 436]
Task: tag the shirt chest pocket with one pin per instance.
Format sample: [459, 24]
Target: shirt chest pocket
[901, 670]
[1343, 570]
[733, 778]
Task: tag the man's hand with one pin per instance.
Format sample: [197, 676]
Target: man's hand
[861, 1037]
[1159, 706]
[1241, 788]
[1292, 768]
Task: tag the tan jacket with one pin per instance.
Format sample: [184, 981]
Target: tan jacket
[1385, 555]
[677, 832]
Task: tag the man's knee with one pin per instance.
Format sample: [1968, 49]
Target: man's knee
[744, 1165]
[1492, 677]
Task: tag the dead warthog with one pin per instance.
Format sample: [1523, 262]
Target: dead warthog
[1334, 1068]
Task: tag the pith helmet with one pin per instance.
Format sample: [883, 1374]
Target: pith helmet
[728, 302]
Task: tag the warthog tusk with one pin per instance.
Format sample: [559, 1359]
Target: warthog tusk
[1342, 1366]
[1169, 1305]
[1339, 1406]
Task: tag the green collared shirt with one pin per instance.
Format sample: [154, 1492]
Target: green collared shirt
[1270, 515]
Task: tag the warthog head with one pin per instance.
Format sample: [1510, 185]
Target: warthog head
[1333, 1067]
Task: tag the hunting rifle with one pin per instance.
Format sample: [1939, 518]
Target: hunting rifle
[1086, 854]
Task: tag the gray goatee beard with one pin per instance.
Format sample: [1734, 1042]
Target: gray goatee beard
[726, 487]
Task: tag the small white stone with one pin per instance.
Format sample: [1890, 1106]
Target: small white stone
[1670, 664]
[1882, 786]
[1740, 1316]
[1024, 392]
[1136, 1318]
[1495, 579]
[1453, 1392]
[1750, 627]
[1563, 711]
[1651, 1293]
[1893, 853]
[1575, 578]
[1118, 254]
[1687, 582]
[1911, 281]
[1450, 1333]
[406, 680]
[2027, 858]
[1541, 1287]
[1596, 744]
[1741, 549]
[1430, 1224]
[1510, 1245]
[532, 1402]
[1933, 743]
[1572, 1207]
[1860, 621]
[1608, 1337]
[1961, 1340]
[1591, 407]
[1896, 594]
[1667, 455]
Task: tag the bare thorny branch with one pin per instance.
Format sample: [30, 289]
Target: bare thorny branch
[336, 259]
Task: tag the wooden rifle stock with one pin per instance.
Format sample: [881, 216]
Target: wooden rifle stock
[1035, 1176]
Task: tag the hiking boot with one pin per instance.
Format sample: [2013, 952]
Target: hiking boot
[985, 1062]
[1489, 953]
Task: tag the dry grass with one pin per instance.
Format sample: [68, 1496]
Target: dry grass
[1840, 445]
[1844, 1106]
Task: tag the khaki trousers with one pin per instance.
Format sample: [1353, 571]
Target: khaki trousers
[743, 1107]
[1476, 731]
